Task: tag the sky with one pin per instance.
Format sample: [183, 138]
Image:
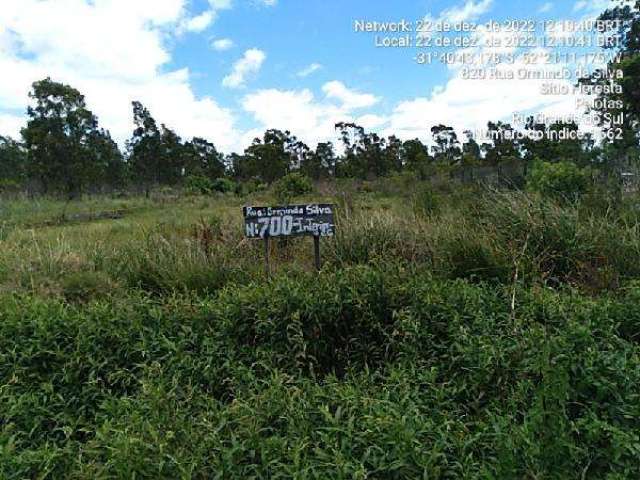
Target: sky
[226, 70]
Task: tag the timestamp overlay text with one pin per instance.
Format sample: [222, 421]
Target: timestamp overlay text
[559, 58]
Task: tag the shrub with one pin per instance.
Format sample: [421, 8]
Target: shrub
[198, 185]
[563, 181]
[292, 185]
[223, 185]
[249, 187]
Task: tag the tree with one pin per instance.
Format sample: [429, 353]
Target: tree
[366, 154]
[320, 163]
[145, 148]
[471, 150]
[392, 160]
[203, 159]
[415, 157]
[555, 143]
[447, 147]
[111, 169]
[13, 162]
[60, 137]
[271, 157]
[503, 147]
[617, 86]
[171, 161]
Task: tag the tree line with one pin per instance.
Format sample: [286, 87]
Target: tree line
[63, 149]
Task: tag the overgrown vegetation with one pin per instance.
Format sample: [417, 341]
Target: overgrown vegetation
[456, 329]
[495, 336]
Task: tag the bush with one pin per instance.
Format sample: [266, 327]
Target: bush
[198, 185]
[292, 185]
[563, 181]
[249, 187]
[223, 185]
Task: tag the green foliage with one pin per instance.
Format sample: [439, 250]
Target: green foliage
[250, 186]
[563, 181]
[269, 158]
[426, 202]
[224, 185]
[559, 245]
[85, 286]
[472, 258]
[66, 150]
[292, 185]
[198, 185]
[201, 158]
[13, 163]
[339, 375]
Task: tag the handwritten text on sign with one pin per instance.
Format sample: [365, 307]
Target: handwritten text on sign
[291, 220]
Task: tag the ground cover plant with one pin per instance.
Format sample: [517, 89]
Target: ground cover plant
[453, 342]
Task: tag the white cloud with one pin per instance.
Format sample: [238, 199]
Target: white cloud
[350, 99]
[249, 64]
[220, 4]
[371, 121]
[66, 39]
[200, 22]
[222, 44]
[305, 72]
[471, 10]
[581, 5]
[310, 119]
[10, 125]
[545, 7]
[471, 103]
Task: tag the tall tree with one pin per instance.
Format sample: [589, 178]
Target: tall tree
[145, 148]
[59, 138]
[549, 145]
[365, 155]
[415, 157]
[393, 156]
[111, 169]
[503, 147]
[320, 163]
[617, 86]
[171, 162]
[202, 158]
[272, 157]
[471, 150]
[447, 146]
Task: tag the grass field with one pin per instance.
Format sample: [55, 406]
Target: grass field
[455, 334]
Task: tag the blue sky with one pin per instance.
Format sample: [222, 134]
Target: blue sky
[298, 64]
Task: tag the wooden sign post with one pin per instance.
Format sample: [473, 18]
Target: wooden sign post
[315, 220]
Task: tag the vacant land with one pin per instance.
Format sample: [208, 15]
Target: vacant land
[461, 334]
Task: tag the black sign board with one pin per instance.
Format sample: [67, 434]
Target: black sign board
[291, 220]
